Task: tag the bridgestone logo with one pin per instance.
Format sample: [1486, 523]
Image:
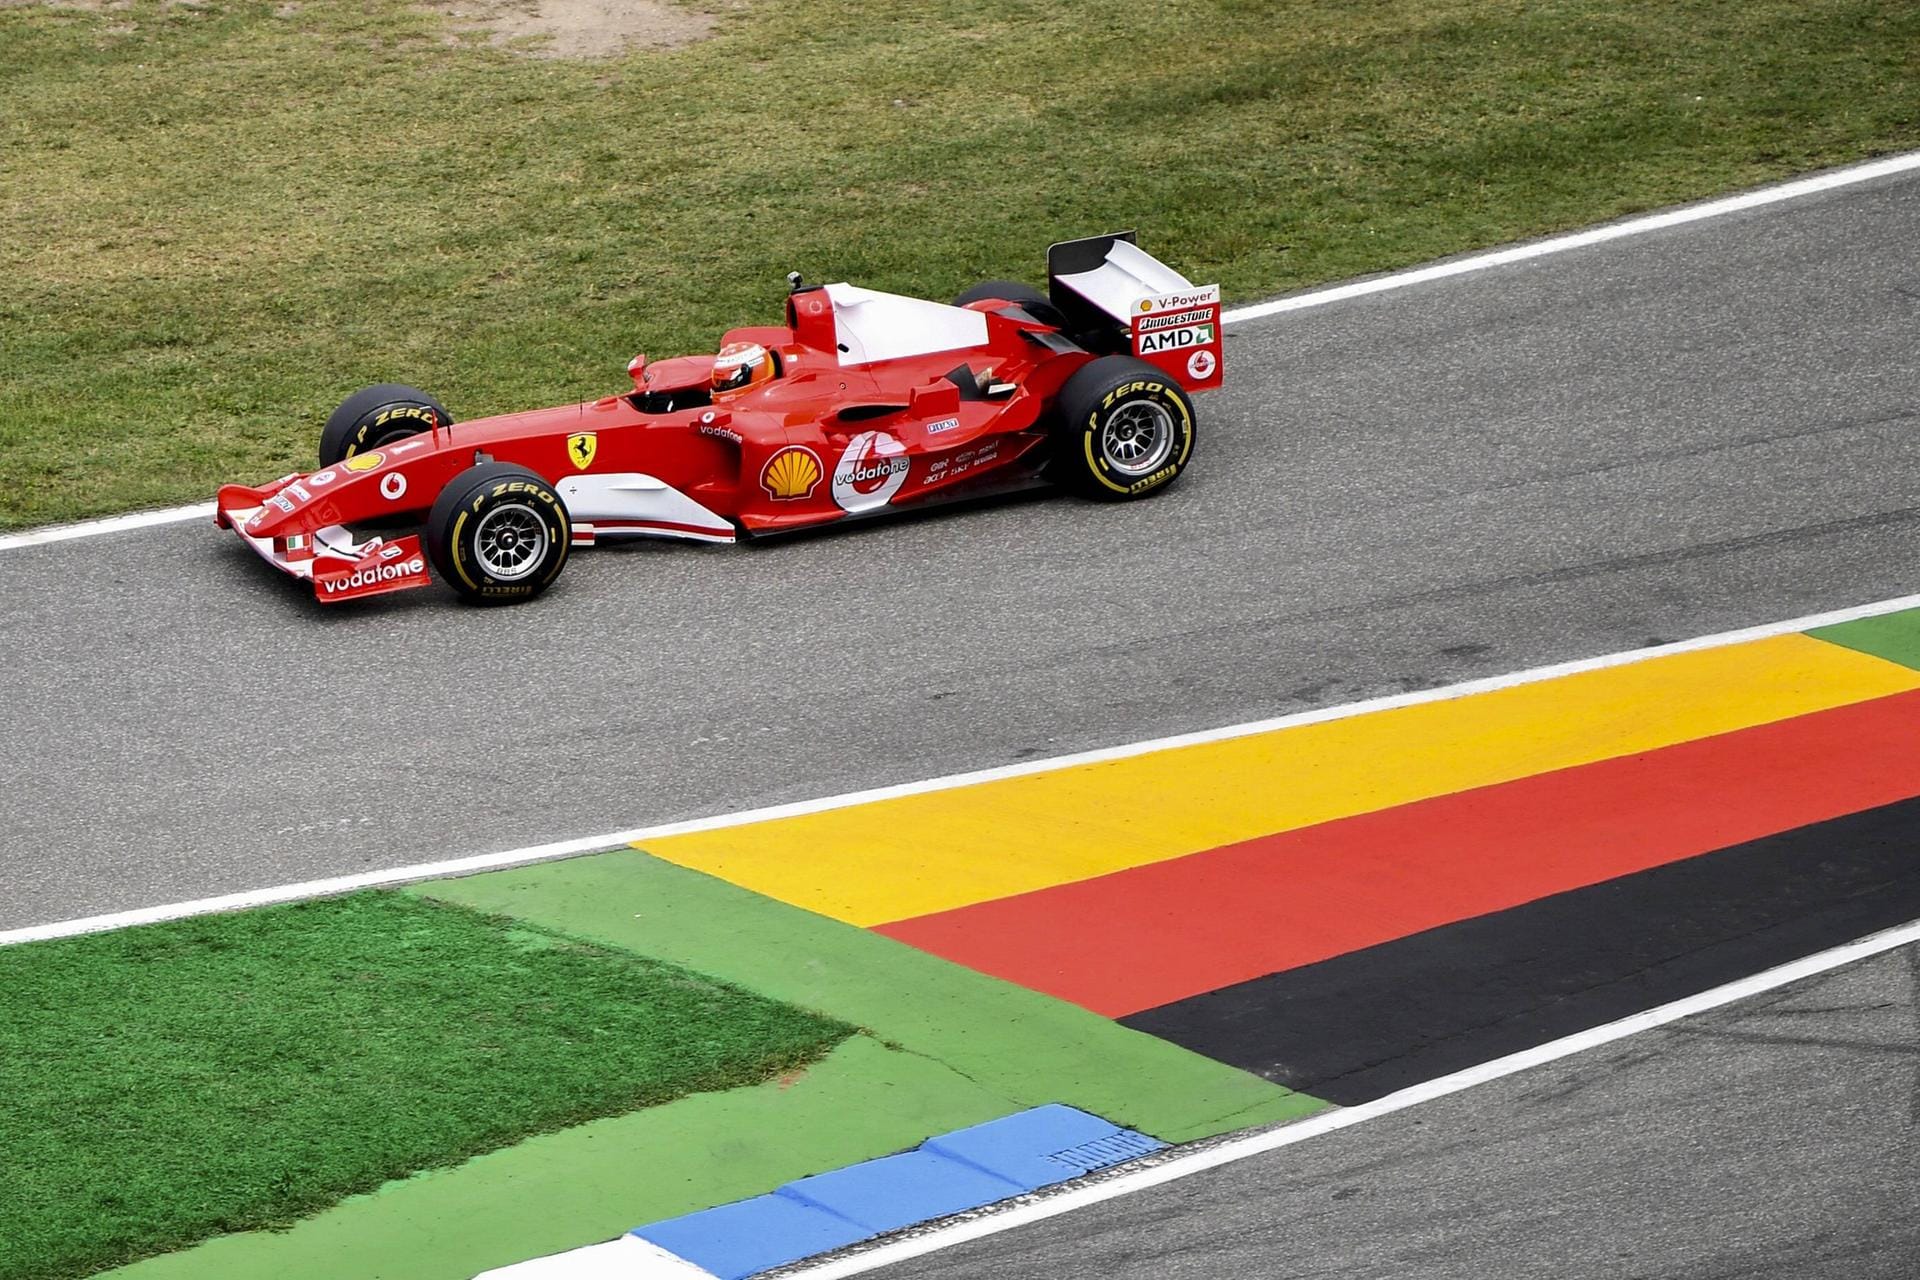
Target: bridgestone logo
[1149, 323]
[374, 576]
[871, 471]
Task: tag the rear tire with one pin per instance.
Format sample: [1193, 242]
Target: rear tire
[498, 534]
[1124, 430]
[376, 416]
[1036, 303]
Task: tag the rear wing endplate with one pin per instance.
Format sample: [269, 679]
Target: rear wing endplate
[1170, 322]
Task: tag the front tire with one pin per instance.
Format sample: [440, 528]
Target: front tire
[376, 416]
[1124, 430]
[498, 534]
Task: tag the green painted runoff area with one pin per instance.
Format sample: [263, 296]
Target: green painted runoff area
[942, 1047]
[595, 1181]
[1893, 636]
[1028, 1047]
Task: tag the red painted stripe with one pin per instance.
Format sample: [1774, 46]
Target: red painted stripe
[1138, 938]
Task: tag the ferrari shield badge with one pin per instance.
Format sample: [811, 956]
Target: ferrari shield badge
[581, 447]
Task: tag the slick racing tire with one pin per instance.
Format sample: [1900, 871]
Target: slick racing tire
[378, 415]
[1124, 430]
[498, 534]
[1037, 304]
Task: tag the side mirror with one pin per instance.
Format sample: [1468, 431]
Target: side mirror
[636, 369]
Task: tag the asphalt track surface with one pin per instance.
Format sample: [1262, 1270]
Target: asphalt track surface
[1684, 432]
[1774, 1137]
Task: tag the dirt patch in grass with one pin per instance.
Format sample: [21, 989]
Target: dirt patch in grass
[576, 28]
[216, 222]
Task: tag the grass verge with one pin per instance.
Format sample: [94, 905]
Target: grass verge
[221, 217]
[164, 1084]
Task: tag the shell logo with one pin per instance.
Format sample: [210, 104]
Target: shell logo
[1146, 305]
[791, 474]
[364, 461]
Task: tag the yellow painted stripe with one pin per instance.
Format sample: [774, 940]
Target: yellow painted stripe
[892, 859]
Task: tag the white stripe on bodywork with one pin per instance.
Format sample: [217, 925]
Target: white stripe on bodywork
[585, 535]
[871, 326]
[616, 497]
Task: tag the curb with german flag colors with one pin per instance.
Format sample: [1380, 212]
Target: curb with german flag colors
[1257, 899]
[1208, 936]
[1354, 906]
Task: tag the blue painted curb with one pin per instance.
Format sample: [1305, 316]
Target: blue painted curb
[750, 1236]
[946, 1175]
[898, 1191]
[1043, 1146]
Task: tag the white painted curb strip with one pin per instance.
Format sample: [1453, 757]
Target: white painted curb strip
[628, 1258]
[1299, 302]
[612, 839]
[1212, 1157]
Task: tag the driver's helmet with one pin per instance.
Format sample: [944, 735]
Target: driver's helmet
[741, 365]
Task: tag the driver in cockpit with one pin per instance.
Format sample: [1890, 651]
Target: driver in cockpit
[741, 366]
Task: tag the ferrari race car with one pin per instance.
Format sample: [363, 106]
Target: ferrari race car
[862, 403]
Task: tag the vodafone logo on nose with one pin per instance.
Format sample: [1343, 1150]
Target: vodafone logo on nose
[372, 576]
[870, 472]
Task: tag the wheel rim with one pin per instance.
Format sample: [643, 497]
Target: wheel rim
[1137, 437]
[510, 542]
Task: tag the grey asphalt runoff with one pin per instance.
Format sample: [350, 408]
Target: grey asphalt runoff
[1777, 1137]
[1678, 433]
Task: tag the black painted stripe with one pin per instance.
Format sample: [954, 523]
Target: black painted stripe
[1363, 1025]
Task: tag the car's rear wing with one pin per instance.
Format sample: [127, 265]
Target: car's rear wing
[1111, 283]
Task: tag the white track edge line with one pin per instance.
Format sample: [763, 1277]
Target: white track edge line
[1582, 239]
[1848, 176]
[111, 524]
[612, 839]
[1211, 1157]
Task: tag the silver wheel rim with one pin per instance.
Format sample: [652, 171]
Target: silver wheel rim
[1137, 438]
[510, 542]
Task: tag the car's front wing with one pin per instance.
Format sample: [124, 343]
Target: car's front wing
[339, 566]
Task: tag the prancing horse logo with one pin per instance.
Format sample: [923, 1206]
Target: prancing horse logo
[581, 448]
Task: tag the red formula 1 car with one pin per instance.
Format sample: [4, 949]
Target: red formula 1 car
[862, 403]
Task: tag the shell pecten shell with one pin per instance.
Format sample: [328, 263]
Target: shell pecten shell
[792, 473]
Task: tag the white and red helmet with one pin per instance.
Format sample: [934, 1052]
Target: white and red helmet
[741, 365]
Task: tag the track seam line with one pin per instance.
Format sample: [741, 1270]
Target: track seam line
[1699, 212]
